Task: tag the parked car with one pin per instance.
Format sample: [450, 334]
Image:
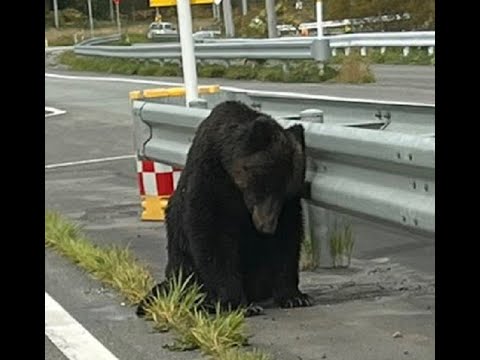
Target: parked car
[160, 29]
[206, 34]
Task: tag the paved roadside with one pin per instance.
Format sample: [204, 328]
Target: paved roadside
[390, 287]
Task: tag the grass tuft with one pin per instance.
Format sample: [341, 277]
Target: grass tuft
[219, 335]
[355, 70]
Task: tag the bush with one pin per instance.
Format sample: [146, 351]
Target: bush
[241, 72]
[211, 70]
[355, 69]
[270, 73]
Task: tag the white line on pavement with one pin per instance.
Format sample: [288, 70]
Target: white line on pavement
[53, 111]
[90, 161]
[235, 89]
[69, 336]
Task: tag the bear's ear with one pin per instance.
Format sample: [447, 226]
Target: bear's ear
[298, 133]
[260, 134]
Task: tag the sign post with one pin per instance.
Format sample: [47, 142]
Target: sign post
[186, 42]
[188, 50]
[319, 19]
[90, 17]
[117, 8]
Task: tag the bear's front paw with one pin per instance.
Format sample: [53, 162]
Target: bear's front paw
[298, 300]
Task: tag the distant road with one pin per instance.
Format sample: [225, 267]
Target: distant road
[410, 83]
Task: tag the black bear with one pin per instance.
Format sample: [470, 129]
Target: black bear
[235, 220]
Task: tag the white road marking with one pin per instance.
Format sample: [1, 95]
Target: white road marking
[113, 79]
[53, 111]
[69, 336]
[235, 89]
[90, 161]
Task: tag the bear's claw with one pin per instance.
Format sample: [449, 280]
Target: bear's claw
[301, 300]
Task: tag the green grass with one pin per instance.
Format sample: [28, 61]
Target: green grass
[219, 336]
[341, 245]
[391, 56]
[295, 71]
[307, 256]
[113, 266]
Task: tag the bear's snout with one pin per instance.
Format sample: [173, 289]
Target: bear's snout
[265, 216]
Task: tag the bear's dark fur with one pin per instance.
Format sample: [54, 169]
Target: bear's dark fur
[235, 219]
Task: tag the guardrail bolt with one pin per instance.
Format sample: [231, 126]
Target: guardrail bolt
[312, 115]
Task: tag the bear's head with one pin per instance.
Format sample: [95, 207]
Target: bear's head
[269, 170]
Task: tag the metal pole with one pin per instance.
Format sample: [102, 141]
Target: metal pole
[188, 50]
[119, 27]
[112, 16]
[90, 16]
[271, 18]
[227, 18]
[244, 7]
[55, 13]
[319, 18]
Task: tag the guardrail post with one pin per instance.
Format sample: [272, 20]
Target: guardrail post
[347, 50]
[315, 116]
[431, 50]
[363, 51]
[382, 50]
[406, 50]
[334, 52]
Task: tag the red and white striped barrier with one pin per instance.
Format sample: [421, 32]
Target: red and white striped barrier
[156, 183]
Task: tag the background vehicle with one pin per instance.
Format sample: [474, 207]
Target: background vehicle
[160, 29]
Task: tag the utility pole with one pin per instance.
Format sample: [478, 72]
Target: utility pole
[271, 18]
[117, 5]
[90, 16]
[228, 19]
[55, 13]
[112, 16]
[244, 7]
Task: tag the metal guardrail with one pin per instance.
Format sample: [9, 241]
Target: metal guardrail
[374, 39]
[317, 49]
[381, 176]
[386, 39]
[402, 117]
[277, 48]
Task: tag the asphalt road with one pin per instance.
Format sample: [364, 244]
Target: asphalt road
[410, 83]
[390, 287]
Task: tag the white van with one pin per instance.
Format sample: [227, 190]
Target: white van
[159, 29]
